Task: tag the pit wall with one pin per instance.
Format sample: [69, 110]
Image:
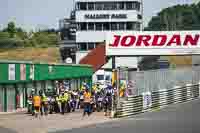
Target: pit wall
[151, 101]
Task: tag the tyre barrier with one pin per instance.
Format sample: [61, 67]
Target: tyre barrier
[156, 100]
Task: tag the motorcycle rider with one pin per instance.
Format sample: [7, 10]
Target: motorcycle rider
[99, 99]
[44, 106]
[93, 101]
[30, 102]
[73, 100]
[52, 104]
[81, 94]
[63, 103]
[67, 98]
[36, 104]
[58, 104]
[109, 92]
[87, 101]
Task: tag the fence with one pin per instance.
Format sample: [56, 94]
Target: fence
[155, 80]
[158, 88]
[150, 101]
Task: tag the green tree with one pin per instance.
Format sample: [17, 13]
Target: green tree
[11, 29]
[179, 17]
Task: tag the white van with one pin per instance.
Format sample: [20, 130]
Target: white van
[102, 77]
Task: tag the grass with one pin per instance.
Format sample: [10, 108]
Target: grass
[50, 55]
[180, 60]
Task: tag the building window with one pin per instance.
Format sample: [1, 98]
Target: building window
[90, 46]
[139, 16]
[138, 26]
[121, 5]
[137, 5]
[83, 26]
[99, 6]
[108, 78]
[83, 6]
[90, 6]
[121, 26]
[83, 46]
[106, 26]
[99, 26]
[100, 77]
[114, 26]
[90, 26]
[114, 6]
[78, 6]
[130, 26]
[129, 5]
[108, 6]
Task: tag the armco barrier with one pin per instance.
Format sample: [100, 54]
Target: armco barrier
[139, 104]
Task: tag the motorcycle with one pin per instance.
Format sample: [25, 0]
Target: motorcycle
[99, 104]
[73, 104]
[68, 107]
[52, 103]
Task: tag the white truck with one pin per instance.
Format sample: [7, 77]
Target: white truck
[102, 77]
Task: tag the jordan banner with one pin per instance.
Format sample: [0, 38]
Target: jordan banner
[153, 43]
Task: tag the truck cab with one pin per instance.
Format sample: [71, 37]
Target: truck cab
[102, 78]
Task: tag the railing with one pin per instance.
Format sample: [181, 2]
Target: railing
[157, 88]
[155, 100]
[155, 80]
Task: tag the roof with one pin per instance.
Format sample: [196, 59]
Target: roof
[96, 58]
[42, 63]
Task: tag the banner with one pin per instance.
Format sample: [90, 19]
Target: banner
[11, 72]
[32, 71]
[22, 71]
[139, 43]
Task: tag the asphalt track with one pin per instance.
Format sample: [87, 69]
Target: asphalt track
[180, 118]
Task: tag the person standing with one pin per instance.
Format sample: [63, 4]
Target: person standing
[87, 102]
[109, 92]
[63, 103]
[44, 106]
[58, 104]
[36, 104]
[67, 99]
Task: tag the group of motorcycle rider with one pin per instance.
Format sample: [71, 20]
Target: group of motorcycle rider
[90, 99]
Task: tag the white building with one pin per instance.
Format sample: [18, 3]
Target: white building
[95, 18]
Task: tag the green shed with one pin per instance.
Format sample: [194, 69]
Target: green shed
[18, 78]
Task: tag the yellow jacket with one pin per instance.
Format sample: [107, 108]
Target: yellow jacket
[63, 99]
[44, 99]
[94, 87]
[87, 97]
[58, 99]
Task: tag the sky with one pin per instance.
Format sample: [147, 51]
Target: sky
[35, 14]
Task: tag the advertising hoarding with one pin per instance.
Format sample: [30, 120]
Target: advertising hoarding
[140, 43]
[11, 72]
[22, 71]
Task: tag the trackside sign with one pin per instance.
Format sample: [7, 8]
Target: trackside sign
[153, 43]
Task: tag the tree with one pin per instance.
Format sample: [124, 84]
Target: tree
[179, 17]
[11, 29]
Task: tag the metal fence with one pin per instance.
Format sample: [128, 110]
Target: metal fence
[163, 79]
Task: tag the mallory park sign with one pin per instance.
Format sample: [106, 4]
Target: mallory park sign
[153, 43]
[105, 16]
